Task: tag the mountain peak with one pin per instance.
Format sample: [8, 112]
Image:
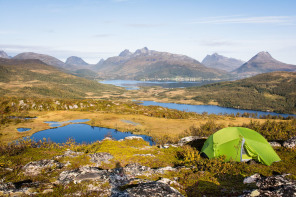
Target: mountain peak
[3, 54]
[221, 62]
[263, 62]
[74, 60]
[125, 53]
[264, 54]
[144, 50]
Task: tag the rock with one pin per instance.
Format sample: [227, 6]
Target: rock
[275, 144]
[135, 169]
[152, 189]
[252, 179]
[101, 190]
[274, 186]
[133, 138]
[107, 138]
[34, 168]
[46, 191]
[69, 153]
[21, 188]
[164, 169]
[145, 155]
[100, 158]
[290, 143]
[81, 174]
[194, 141]
[255, 193]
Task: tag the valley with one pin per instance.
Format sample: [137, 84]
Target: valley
[121, 126]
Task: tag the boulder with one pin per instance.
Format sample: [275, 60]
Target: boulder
[252, 179]
[275, 144]
[194, 141]
[133, 138]
[100, 158]
[34, 168]
[290, 143]
[277, 185]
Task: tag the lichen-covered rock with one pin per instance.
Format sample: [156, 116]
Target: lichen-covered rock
[35, 167]
[152, 189]
[135, 169]
[290, 143]
[274, 186]
[83, 173]
[100, 158]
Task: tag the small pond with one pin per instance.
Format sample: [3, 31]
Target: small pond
[58, 124]
[83, 133]
[23, 129]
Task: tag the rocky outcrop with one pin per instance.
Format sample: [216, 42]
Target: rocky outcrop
[34, 168]
[83, 173]
[290, 143]
[100, 158]
[271, 186]
[122, 181]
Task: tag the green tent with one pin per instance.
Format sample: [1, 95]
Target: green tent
[240, 144]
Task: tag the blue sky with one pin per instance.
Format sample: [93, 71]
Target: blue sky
[95, 29]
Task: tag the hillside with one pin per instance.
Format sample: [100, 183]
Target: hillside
[274, 91]
[221, 62]
[47, 59]
[150, 65]
[33, 78]
[263, 62]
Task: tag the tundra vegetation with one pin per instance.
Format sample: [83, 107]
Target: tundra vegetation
[193, 175]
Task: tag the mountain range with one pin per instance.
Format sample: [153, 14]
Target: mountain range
[150, 65]
[145, 64]
[221, 62]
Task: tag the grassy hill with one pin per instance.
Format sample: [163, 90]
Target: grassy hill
[33, 78]
[271, 91]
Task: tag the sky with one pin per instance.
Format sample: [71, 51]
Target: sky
[95, 29]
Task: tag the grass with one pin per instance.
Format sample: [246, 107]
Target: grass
[152, 126]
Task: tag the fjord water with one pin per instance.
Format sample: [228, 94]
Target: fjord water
[211, 109]
[83, 133]
[134, 85]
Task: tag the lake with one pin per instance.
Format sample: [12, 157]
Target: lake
[83, 133]
[134, 85]
[211, 109]
[58, 124]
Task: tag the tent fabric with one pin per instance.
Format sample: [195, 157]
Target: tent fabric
[232, 140]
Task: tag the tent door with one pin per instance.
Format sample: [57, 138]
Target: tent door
[244, 155]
